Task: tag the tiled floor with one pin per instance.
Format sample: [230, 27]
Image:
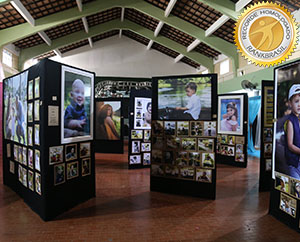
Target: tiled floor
[125, 210]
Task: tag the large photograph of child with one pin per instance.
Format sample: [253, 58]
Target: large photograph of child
[108, 120]
[187, 98]
[142, 113]
[286, 137]
[230, 114]
[15, 108]
[77, 105]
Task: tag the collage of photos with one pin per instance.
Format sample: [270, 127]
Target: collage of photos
[183, 149]
[142, 113]
[67, 159]
[140, 153]
[287, 184]
[230, 145]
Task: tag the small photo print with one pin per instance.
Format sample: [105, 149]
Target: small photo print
[86, 167]
[239, 140]
[24, 156]
[224, 139]
[8, 150]
[135, 148]
[157, 127]
[206, 145]
[210, 129]
[267, 135]
[20, 154]
[85, 150]
[224, 150]
[281, 182]
[31, 180]
[196, 128]
[146, 147]
[55, 154]
[172, 171]
[37, 87]
[230, 151]
[30, 135]
[182, 158]
[194, 159]
[30, 112]
[188, 144]
[231, 140]
[157, 156]
[71, 152]
[171, 142]
[187, 173]
[24, 182]
[183, 128]
[134, 159]
[30, 90]
[16, 153]
[268, 164]
[37, 134]
[218, 148]
[295, 188]
[288, 204]
[147, 135]
[59, 174]
[12, 167]
[30, 158]
[208, 160]
[170, 127]
[268, 150]
[138, 122]
[239, 158]
[36, 110]
[136, 134]
[20, 173]
[37, 163]
[146, 159]
[239, 148]
[204, 175]
[38, 183]
[72, 170]
[157, 170]
[168, 157]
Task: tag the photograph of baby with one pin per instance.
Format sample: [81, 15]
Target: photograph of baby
[55, 154]
[108, 120]
[204, 175]
[136, 134]
[230, 114]
[15, 108]
[170, 127]
[185, 98]
[288, 204]
[142, 113]
[134, 159]
[77, 105]
[59, 174]
[183, 128]
[209, 129]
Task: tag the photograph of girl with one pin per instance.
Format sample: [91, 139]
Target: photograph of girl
[108, 120]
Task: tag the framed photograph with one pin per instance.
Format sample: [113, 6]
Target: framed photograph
[72, 170]
[135, 147]
[20, 154]
[134, 159]
[30, 135]
[8, 150]
[146, 147]
[71, 152]
[224, 149]
[85, 149]
[170, 127]
[59, 174]
[38, 183]
[30, 90]
[187, 173]
[268, 150]
[268, 134]
[20, 173]
[224, 139]
[24, 156]
[16, 152]
[196, 128]
[185, 98]
[37, 87]
[157, 156]
[37, 134]
[183, 128]
[268, 106]
[182, 158]
[77, 91]
[168, 157]
[172, 171]
[31, 180]
[37, 163]
[56, 154]
[157, 170]
[239, 148]
[15, 108]
[268, 164]
[239, 158]
[288, 204]
[108, 120]
[218, 148]
[188, 144]
[146, 159]
[282, 182]
[157, 128]
[204, 175]
[205, 145]
[147, 135]
[194, 159]
[231, 151]
[24, 176]
[12, 167]
[30, 112]
[231, 140]
[136, 134]
[86, 167]
[142, 113]
[208, 160]
[295, 188]
[30, 158]
[231, 114]
[36, 110]
[209, 129]
[240, 140]
[171, 142]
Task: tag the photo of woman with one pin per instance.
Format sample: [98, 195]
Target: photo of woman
[108, 120]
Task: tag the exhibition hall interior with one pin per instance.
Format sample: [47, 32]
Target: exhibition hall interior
[149, 120]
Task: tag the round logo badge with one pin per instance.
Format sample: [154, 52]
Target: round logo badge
[266, 34]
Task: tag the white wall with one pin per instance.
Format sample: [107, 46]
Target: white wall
[123, 57]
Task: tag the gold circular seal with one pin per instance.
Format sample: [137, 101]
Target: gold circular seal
[266, 34]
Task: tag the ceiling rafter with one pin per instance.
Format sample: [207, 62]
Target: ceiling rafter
[23, 11]
[90, 42]
[79, 4]
[85, 24]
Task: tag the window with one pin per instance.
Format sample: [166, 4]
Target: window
[224, 67]
[7, 58]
